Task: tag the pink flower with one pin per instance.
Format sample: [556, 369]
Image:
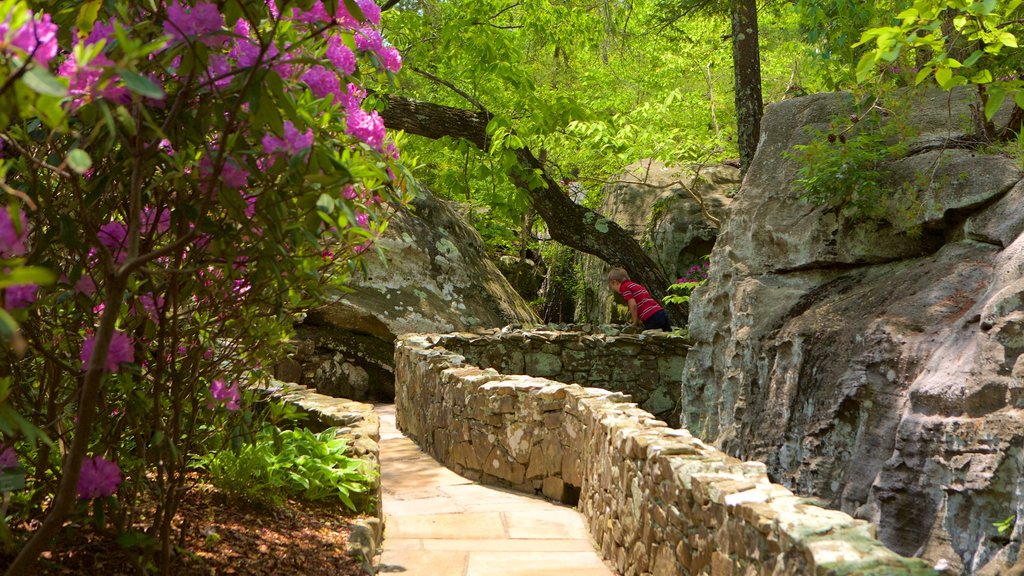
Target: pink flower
[368, 39]
[348, 193]
[85, 285]
[156, 220]
[232, 175]
[390, 58]
[99, 478]
[13, 233]
[121, 351]
[152, 306]
[353, 98]
[112, 236]
[293, 142]
[100, 31]
[226, 395]
[362, 219]
[87, 82]
[340, 55]
[18, 297]
[368, 127]
[204, 19]
[322, 82]
[370, 10]
[36, 38]
[8, 458]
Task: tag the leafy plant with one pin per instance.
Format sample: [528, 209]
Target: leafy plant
[1006, 525]
[281, 464]
[682, 289]
[844, 169]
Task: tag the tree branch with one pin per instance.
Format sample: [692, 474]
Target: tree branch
[569, 223]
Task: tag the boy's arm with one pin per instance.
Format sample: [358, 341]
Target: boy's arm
[631, 303]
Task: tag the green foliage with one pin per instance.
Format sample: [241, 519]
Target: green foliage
[844, 170]
[282, 464]
[1006, 525]
[956, 42]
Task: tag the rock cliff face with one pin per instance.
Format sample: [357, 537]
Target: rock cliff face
[877, 371]
[435, 277]
[650, 201]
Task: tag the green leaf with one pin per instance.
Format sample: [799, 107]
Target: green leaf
[974, 57]
[908, 14]
[995, 100]
[12, 480]
[141, 85]
[981, 77]
[922, 74]
[25, 275]
[325, 203]
[865, 66]
[87, 17]
[1007, 39]
[1018, 97]
[40, 80]
[79, 160]
[944, 76]
[355, 10]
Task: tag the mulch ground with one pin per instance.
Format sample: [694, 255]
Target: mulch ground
[226, 537]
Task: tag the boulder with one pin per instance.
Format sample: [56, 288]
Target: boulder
[655, 204]
[433, 276]
[872, 369]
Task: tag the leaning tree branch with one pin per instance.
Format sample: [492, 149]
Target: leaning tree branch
[569, 223]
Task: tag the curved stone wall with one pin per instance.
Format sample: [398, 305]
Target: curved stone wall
[657, 500]
[646, 365]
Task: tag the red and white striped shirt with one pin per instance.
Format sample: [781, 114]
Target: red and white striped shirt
[645, 305]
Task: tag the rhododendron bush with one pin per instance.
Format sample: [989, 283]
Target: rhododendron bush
[176, 178]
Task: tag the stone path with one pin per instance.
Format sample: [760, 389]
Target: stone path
[438, 523]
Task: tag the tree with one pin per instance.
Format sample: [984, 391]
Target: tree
[187, 176]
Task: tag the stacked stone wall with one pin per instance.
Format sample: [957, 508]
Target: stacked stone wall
[648, 366]
[657, 500]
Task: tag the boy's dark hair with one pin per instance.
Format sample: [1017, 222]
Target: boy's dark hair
[618, 274]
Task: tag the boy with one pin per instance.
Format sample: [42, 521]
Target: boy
[642, 308]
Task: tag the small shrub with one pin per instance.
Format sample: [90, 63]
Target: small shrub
[280, 464]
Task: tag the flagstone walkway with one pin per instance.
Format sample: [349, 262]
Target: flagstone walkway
[438, 523]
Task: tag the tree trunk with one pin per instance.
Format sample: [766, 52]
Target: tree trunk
[746, 60]
[569, 223]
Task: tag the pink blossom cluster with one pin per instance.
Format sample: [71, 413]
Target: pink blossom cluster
[13, 233]
[99, 478]
[35, 39]
[121, 351]
[224, 395]
[8, 457]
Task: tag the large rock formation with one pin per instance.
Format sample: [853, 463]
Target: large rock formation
[875, 370]
[652, 202]
[434, 277]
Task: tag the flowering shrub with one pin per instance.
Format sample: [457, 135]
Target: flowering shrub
[681, 290]
[176, 176]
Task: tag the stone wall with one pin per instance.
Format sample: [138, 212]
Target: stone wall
[657, 500]
[648, 365]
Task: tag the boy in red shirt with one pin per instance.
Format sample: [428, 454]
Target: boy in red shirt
[643, 309]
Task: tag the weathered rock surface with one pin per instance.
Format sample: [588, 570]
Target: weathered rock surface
[650, 201]
[877, 371]
[435, 277]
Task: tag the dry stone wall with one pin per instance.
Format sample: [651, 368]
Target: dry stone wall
[657, 500]
[648, 366]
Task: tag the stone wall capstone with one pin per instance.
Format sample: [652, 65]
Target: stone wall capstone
[657, 500]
